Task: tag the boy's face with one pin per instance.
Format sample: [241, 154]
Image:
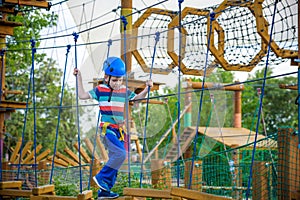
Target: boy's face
[115, 82]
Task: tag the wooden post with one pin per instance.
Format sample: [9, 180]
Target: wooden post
[97, 166]
[44, 168]
[126, 11]
[197, 175]
[237, 171]
[187, 100]
[260, 181]
[237, 109]
[288, 160]
[160, 174]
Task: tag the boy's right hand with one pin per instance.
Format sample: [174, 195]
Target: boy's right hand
[76, 72]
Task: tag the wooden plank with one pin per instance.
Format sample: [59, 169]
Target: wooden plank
[15, 193]
[90, 147]
[16, 151]
[140, 192]
[30, 156]
[46, 189]
[40, 4]
[51, 197]
[10, 185]
[83, 153]
[101, 147]
[58, 161]
[85, 195]
[192, 194]
[65, 158]
[70, 153]
[41, 156]
[26, 148]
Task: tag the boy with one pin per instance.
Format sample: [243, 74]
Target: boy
[111, 97]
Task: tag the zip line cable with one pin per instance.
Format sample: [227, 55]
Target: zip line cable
[147, 109]
[77, 113]
[59, 112]
[260, 103]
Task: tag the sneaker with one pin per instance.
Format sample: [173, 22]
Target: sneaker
[101, 184]
[106, 195]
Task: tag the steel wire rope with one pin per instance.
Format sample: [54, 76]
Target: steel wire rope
[59, 112]
[261, 102]
[212, 18]
[97, 126]
[179, 92]
[77, 113]
[147, 108]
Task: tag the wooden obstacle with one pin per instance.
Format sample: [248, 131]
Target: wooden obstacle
[133, 193]
[47, 192]
[13, 189]
[192, 194]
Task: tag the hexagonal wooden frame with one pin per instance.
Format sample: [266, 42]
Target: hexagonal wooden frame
[170, 44]
[135, 27]
[262, 30]
[219, 53]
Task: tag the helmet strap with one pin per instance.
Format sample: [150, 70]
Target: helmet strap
[111, 89]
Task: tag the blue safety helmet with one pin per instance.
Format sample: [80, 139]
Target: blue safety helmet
[114, 66]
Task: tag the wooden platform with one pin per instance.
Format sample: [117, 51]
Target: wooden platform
[229, 136]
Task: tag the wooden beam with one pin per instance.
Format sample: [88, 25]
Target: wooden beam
[11, 185]
[192, 194]
[83, 153]
[101, 147]
[15, 193]
[30, 156]
[46, 189]
[65, 158]
[140, 192]
[41, 156]
[91, 147]
[40, 4]
[16, 151]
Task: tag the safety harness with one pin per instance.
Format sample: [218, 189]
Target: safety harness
[105, 125]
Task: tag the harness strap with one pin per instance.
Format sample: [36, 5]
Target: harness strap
[107, 124]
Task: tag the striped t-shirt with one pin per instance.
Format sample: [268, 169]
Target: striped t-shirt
[113, 111]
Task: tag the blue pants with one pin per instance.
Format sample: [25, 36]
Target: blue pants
[116, 154]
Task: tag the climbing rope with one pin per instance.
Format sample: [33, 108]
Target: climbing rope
[124, 21]
[97, 127]
[77, 114]
[59, 112]
[147, 107]
[212, 18]
[179, 91]
[260, 103]
[25, 119]
[34, 111]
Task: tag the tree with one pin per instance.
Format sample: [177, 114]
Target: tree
[47, 85]
[278, 107]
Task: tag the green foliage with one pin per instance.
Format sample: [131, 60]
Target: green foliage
[278, 107]
[65, 189]
[47, 84]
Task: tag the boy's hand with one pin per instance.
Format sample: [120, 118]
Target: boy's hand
[149, 83]
[76, 72]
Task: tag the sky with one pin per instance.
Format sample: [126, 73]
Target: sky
[76, 15]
